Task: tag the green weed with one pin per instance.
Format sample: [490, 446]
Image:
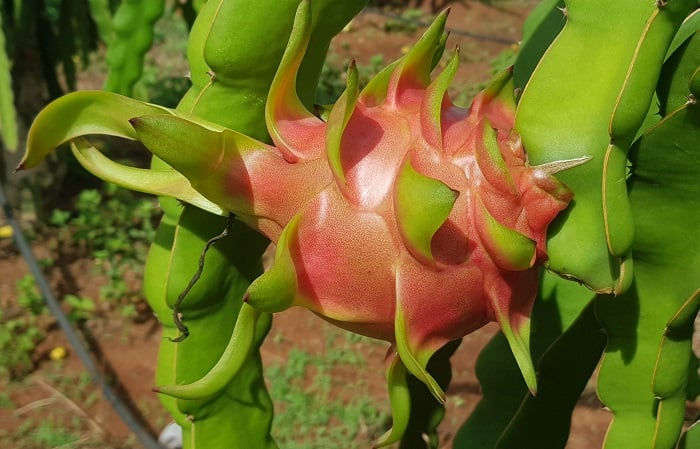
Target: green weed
[116, 227]
[315, 411]
[81, 308]
[51, 432]
[21, 330]
[50, 435]
[407, 22]
[503, 60]
[6, 401]
[28, 296]
[333, 77]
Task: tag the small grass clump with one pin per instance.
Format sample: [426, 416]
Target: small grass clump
[116, 227]
[313, 410]
[21, 329]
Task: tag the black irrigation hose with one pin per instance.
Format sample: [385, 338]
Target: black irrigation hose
[81, 350]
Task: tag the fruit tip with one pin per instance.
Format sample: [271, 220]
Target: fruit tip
[442, 17]
[533, 390]
[442, 399]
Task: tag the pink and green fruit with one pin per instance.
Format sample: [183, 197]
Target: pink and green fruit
[401, 217]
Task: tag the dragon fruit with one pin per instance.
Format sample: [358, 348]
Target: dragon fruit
[398, 215]
[401, 216]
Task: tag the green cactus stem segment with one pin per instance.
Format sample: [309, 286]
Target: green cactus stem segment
[558, 121]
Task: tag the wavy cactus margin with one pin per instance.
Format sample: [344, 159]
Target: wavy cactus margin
[405, 218]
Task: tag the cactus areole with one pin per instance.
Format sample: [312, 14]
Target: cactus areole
[399, 216]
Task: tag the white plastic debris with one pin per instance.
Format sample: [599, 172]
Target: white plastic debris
[171, 436]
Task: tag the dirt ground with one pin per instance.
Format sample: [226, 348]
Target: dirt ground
[127, 350]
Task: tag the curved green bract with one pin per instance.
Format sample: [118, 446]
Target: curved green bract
[156, 182]
[416, 66]
[650, 328]
[427, 413]
[509, 249]
[400, 398]
[275, 290]
[228, 365]
[338, 119]
[131, 37]
[412, 363]
[543, 421]
[431, 118]
[508, 416]
[80, 114]
[422, 206]
[588, 98]
[519, 342]
[416, 413]
[199, 152]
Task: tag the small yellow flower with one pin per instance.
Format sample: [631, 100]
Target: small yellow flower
[5, 232]
[58, 353]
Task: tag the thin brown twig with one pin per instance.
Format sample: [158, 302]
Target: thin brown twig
[69, 403]
[34, 405]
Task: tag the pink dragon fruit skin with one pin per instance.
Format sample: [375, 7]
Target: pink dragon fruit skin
[401, 217]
